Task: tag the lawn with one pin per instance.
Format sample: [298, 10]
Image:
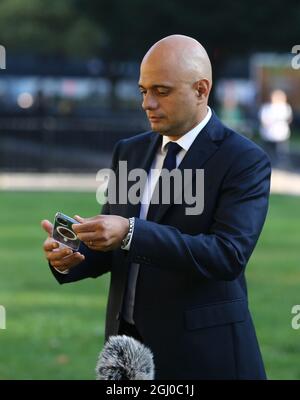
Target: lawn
[53, 331]
[56, 332]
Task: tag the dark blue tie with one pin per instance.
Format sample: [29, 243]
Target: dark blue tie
[170, 159]
[169, 164]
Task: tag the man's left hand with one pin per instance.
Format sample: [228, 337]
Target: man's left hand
[102, 232]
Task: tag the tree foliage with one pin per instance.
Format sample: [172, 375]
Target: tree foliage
[228, 26]
[41, 27]
[124, 29]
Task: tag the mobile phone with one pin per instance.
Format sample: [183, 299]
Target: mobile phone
[63, 232]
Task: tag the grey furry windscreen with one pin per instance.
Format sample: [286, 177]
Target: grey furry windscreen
[125, 358]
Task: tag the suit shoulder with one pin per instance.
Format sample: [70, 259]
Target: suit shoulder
[137, 139]
[238, 144]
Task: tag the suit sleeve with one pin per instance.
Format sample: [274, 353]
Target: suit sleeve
[223, 252]
[96, 263]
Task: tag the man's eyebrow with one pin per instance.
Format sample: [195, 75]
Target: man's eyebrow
[162, 85]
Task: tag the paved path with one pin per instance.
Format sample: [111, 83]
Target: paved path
[282, 182]
[285, 182]
[44, 182]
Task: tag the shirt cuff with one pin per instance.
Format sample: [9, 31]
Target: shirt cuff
[65, 272]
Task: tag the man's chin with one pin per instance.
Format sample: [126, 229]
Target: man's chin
[159, 127]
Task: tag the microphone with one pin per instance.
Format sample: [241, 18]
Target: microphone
[125, 358]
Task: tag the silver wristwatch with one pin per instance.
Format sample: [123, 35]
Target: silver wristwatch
[128, 237]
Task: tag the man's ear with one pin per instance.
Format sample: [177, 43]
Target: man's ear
[202, 88]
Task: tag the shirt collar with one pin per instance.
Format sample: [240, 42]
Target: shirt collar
[187, 139]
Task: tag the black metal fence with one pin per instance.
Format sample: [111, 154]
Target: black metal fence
[70, 144]
[64, 144]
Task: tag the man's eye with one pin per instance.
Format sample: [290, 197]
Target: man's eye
[162, 92]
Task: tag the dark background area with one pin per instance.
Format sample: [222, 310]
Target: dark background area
[69, 90]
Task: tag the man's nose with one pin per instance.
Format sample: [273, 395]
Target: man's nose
[149, 102]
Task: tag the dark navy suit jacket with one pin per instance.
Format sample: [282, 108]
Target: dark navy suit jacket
[191, 303]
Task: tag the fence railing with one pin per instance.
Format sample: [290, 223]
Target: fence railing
[63, 144]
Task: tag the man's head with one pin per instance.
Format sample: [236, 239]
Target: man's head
[175, 81]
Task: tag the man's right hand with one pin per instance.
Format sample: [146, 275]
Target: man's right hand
[59, 257]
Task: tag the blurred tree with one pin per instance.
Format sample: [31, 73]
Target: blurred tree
[225, 28]
[40, 27]
[123, 30]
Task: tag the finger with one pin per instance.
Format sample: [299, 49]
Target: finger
[69, 261]
[99, 245]
[50, 244]
[90, 226]
[89, 237]
[59, 254]
[84, 220]
[47, 226]
[53, 257]
[66, 261]
[74, 259]
[90, 241]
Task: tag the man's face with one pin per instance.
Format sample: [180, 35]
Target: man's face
[169, 98]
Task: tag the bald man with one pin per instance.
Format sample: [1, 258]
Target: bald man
[178, 268]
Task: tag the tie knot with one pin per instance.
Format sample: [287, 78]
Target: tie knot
[173, 148]
[170, 159]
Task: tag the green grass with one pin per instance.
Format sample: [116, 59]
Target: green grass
[53, 331]
[56, 332]
[274, 283]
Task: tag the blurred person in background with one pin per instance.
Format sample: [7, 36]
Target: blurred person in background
[178, 279]
[275, 118]
[231, 113]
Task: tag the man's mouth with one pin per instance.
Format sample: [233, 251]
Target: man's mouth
[154, 118]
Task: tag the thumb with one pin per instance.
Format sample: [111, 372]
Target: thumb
[47, 226]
